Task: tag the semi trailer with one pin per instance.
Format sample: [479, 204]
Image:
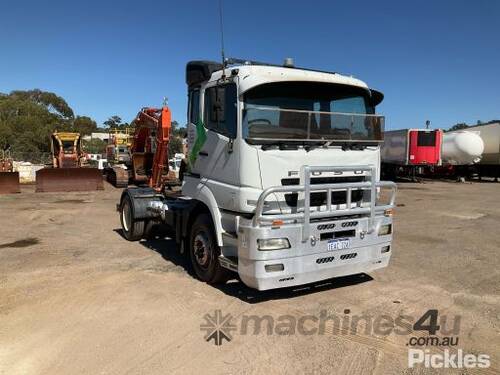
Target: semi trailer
[460, 152]
[282, 185]
[477, 148]
[489, 165]
[407, 152]
[462, 147]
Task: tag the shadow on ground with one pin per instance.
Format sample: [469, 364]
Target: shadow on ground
[166, 247]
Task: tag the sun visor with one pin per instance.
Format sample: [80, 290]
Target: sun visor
[376, 96]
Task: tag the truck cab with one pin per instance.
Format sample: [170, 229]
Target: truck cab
[284, 167]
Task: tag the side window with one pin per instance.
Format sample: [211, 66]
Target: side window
[194, 109]
[220, 109]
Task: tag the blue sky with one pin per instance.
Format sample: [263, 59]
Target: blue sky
[436, 60]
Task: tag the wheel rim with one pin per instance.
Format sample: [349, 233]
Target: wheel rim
[126, 216]
[201, 250]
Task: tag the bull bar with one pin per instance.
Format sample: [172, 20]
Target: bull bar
[306, 188]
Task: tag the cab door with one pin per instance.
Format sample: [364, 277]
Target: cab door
[217, 161]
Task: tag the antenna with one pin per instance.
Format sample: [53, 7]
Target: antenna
[222, 39]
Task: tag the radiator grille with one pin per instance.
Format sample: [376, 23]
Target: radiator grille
[319, 198]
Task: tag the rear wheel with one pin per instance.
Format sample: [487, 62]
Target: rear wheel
[133, 230]
[204, 251]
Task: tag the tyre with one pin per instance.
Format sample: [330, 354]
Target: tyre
[204, 252]
[133, 230]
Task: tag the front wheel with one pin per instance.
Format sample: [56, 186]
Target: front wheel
[204, 251]
[133, 230]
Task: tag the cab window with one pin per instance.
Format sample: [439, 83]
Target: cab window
[220, 109]
[194, 108]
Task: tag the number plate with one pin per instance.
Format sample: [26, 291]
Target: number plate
[339, 244]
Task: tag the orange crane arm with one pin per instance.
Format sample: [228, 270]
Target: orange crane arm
[158, 120]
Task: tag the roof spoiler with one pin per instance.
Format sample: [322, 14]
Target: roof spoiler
[200, 71]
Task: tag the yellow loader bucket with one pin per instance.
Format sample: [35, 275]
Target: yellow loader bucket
[68, 179]
[9, 182]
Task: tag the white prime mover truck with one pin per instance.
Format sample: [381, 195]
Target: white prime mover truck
[283, 185]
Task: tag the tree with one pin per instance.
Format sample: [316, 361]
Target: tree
[54, 104]
[177, 130]
[458, 126]
[84, 125]
[113, 122]
[28, 118]
[95, 146]
[174, 146]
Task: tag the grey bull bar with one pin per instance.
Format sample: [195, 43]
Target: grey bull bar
[331, 210]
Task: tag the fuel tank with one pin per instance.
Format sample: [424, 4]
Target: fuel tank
[462, 148]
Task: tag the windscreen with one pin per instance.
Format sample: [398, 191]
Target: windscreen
[68, 146]
[310, 111]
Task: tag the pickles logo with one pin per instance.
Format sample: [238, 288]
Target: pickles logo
[218, 327]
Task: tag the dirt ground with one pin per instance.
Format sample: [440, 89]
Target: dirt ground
[77, 298]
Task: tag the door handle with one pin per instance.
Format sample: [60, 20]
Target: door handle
[203, 153]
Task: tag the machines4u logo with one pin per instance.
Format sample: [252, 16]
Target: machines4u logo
[218, 327]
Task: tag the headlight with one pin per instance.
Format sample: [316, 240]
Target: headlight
[273, 244]
[384, 230]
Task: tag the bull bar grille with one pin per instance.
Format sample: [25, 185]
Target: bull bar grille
[306, 216]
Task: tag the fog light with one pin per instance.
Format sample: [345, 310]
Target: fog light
[273, 244]
[386, 249]
[384, 230]
[274, 267]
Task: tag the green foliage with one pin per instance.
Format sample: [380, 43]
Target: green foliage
[177, 130]
[54, 104]
[26, 122]
[174, 146]
[113, 122]
[28, 118]
[84, 125]
[458, 127]
[95, 146]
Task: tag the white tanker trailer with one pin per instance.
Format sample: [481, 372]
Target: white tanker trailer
[462, 147]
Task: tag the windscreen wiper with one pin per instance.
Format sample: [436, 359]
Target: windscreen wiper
[282, 146]
[353, 146]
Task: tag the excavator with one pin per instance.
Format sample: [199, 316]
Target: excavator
[68, 171]
[148, 162]
[9, 180]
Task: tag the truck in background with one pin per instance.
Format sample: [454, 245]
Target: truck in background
[407, 152]
[489, 165]
[283, 186]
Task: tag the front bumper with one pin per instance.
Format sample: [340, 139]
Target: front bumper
[309, 230]
[310, 261]
[311, 268]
